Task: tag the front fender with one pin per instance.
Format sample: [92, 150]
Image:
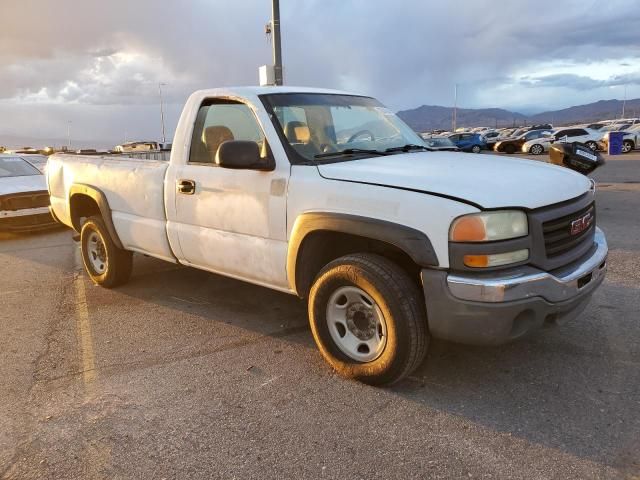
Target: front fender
[413, 242]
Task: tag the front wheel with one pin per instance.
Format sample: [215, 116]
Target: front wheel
[368, 319]
[105, 263]
[593, 146]
[627, 146]
[510, 149]
[476, 149]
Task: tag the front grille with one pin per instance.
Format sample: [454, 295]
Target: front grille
[25, 201]
[552, 245]
[558, 239]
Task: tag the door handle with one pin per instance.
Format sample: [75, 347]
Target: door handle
[186, 187]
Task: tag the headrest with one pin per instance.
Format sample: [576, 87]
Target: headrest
[297, 132]
[214, 136]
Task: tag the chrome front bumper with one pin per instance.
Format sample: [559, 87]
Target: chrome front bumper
[497, 307]
[526, 282]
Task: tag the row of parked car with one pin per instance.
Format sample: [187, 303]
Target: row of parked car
[536, 139]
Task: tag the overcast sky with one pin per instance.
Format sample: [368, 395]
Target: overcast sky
[97, 63]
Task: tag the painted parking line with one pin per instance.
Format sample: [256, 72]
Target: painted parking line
[83, 329]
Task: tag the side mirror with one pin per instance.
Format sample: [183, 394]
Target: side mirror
[242, 154]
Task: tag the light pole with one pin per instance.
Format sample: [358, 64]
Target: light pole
[624, 101]
[455, 108]
[160, 85]
[277, 47]
[69, 135]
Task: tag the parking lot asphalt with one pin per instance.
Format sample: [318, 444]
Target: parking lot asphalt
[186, 374]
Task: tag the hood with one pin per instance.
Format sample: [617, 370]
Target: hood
[30, 183]
[489, 181]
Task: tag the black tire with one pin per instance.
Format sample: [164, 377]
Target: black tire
[117, 263]
[510, 149]
[627, 146]
[401, 304]
[476, 149]
[536, 149]
[593, 146]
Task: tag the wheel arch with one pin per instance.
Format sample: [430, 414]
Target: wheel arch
[318, 238]
[87, 200]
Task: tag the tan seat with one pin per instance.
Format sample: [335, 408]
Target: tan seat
[213, 137]
[297, 132]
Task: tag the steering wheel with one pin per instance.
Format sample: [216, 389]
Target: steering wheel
[360, 133]
[327, 148]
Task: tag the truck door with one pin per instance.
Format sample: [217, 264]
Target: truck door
[230, 221]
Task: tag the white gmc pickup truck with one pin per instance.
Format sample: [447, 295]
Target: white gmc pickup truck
[329, 196]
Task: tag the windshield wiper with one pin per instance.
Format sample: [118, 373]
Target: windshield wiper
[407, 148]
[349, 151]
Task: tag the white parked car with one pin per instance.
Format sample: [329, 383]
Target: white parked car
[329, 196]
[24, 200]
[579, 134]
[136, 147]
[539, 145]
[569, 134]
[630, 141]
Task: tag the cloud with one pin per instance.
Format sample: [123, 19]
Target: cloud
[580, 82]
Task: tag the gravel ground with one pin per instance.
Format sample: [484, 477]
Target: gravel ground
[185, 374]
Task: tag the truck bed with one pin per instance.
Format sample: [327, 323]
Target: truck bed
[134, 189]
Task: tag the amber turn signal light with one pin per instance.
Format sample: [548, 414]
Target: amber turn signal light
[496, 259]
[476, 261]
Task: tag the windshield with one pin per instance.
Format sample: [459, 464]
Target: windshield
[535, 134]
[319, 124]
[38, 161]
[16, 167]
[439, 142]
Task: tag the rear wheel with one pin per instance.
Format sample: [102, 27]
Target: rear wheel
[627, 146]
[476, 149]
[105, 263]
[592, 145]
[536, 149]
[368, 319]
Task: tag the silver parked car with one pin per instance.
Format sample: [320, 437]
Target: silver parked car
[24, 199]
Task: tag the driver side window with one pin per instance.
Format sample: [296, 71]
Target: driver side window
[219, 122]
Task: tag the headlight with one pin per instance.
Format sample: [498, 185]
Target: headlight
[489, 226]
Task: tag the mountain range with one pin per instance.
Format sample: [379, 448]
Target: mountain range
[430, 117]
[427, 118]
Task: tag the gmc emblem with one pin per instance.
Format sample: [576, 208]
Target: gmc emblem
[581, 224]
